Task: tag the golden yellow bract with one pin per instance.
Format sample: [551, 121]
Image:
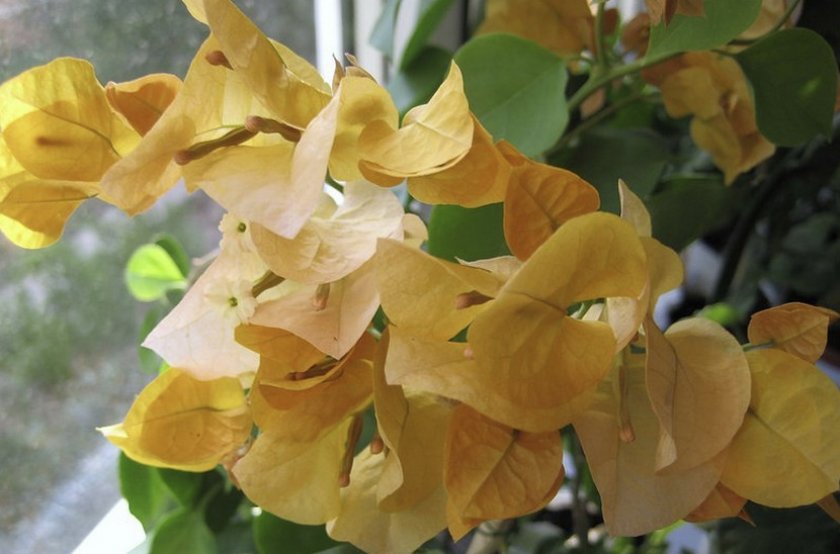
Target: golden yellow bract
[713, 89]
[58, 124]
[529, 350]
[180, 422]
[563, 26]
[495, 472]
[796, 328]
[434, 137]
[787, 438]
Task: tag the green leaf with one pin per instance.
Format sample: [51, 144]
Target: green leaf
[417, 83]
[144, 491]
[149, 361]
[431, 14]
[183, 485]
[723, 21]
[344, 548]
[382, 36]
[689, 207]
[176, 251]
[517, 89]
[151, 272]
[605, 155]
[223, 505]
[722, 313]
[184, 531]
[805, 529]
[467, 233]
[274, 535]
[794, 80]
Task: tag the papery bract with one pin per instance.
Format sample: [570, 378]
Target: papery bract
[796, 328]
[789, 434]
[495, 472]
[180, 422]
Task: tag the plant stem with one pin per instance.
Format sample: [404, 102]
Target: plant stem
[597, 118]
[580, 519]
[597, 81]
[600, 45]
[734, 248]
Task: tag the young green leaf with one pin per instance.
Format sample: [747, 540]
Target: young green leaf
[151, 272]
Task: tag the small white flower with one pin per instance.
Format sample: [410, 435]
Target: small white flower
[233, 299]
[236, 234]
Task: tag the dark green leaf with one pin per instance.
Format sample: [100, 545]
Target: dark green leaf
[687, 208]
[151, 272]
[805, 529]
[144, 491]
[605, 155]
[273, 535]
[535, 536]
[382, 36]
[183, 485]
[794, 80]
[183, 531]
[345, 548]
[517, 89]
[431, 14]
[236, 538]
[723, 21]
[417, 83]
[222, 506]
[176, 251]
[467, 233]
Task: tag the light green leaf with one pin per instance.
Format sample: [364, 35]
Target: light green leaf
[517, 89]
[723, 21]
[689, 207]
[273, 535]
[417, 83]
[432, 13]
[151, 272]
[144, 491]
[175, 250]
[467, 233]
[794, 80]
[183, 531]
[382, 36]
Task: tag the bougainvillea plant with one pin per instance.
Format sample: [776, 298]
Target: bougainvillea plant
[344, 361]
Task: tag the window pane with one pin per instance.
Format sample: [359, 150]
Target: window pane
[68, 326]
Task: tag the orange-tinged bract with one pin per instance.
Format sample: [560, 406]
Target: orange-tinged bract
[713, 89]
[473, 368]
[495, 472]
[563, 26]
[796, 328]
